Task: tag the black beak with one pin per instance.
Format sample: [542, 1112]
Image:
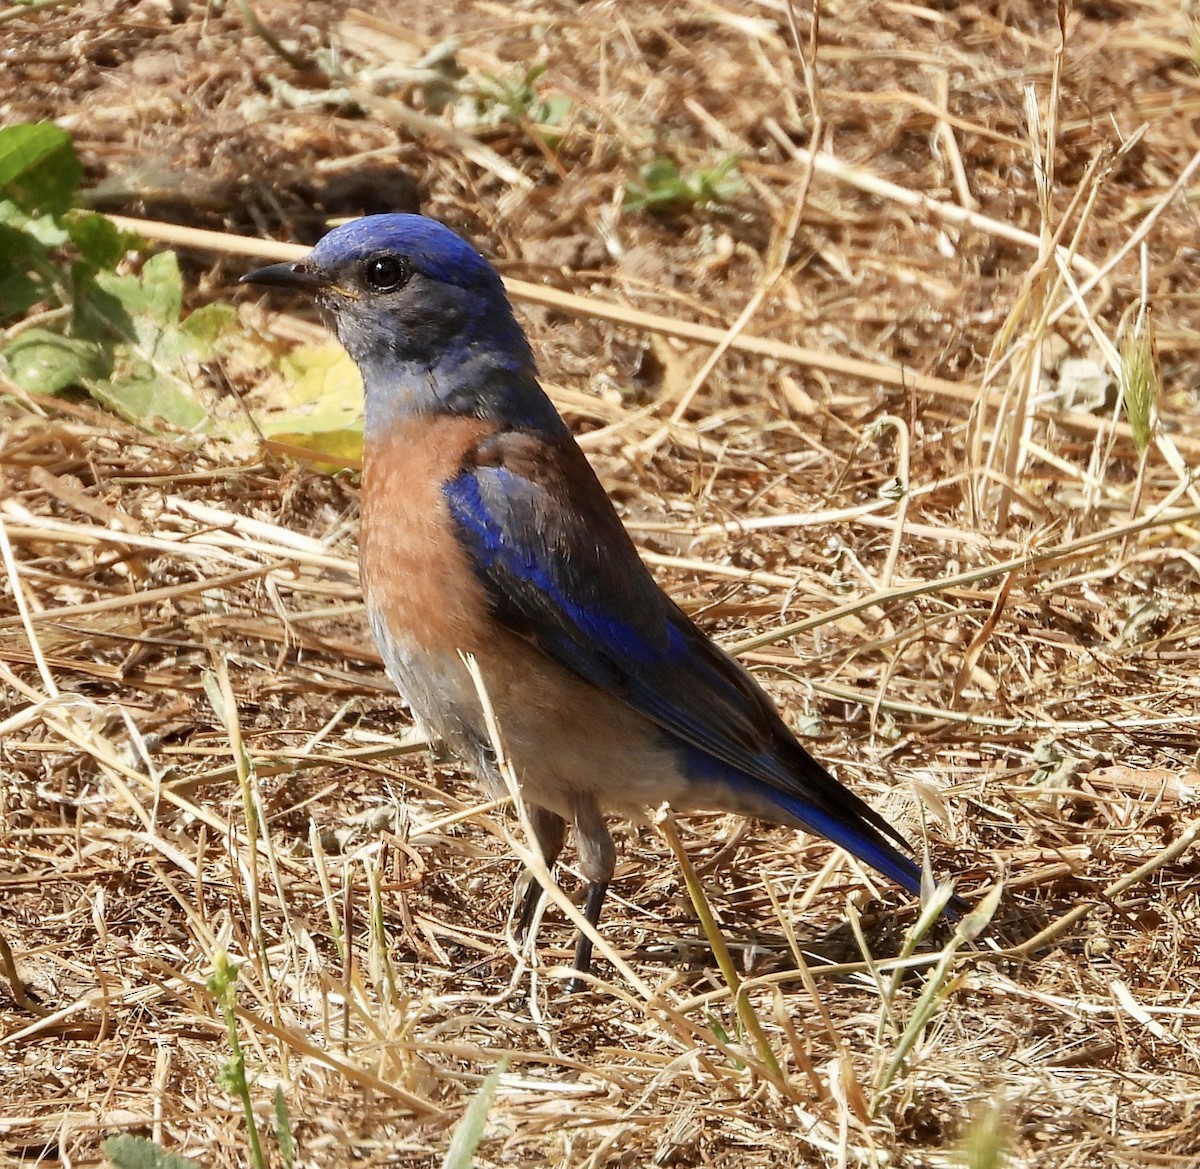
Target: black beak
[295, 275]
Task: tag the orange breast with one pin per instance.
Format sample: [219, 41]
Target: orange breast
[413, 568]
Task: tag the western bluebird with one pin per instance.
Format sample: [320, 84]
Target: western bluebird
[485, 531]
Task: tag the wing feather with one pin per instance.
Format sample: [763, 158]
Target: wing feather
[561, 570]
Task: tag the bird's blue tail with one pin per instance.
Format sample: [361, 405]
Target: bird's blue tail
[832, 811]
[861, 839]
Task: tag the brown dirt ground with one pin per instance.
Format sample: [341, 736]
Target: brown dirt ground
[1036, 722]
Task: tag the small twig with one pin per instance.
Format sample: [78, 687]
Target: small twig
[8, 967]
[25, 616]
[269, 39]
[15, 13]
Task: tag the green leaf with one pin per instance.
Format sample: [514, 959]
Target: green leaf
[658, 185]
[318, 406]
[316, 372]
[141, 311]
[154, 355]
[469, 1131]
[662, 188]
[43, 362]
[27, 146]
[208, 326]
[340, 448]
[142, 397]
[45, 229]
[151, 301]
[97, 238]
[25, 273]
[554, 110]
[39, 170]
[130, 1152]
[100, 315]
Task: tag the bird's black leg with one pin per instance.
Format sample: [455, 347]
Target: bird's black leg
[549, 828]
[583, 948]
[597, 860]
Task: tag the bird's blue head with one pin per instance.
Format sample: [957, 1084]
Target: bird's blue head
[425, 318]
[371, 252]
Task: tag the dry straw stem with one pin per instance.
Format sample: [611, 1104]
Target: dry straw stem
[573, 304]
[745, 1010]
[528, 852]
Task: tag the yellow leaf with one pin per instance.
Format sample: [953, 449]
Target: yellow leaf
[315, 407]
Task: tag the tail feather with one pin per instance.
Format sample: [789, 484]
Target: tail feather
[840, 816]
[860, 839]
[866, 842]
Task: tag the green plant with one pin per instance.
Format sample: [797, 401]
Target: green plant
[78, 308]
[130, 1152]
[663, 189]
[939, 985]
[222, 985]
[517, 99]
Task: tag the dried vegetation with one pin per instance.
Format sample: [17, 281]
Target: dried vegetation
[908, 492]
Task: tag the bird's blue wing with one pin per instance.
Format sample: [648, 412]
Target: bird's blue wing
[560, 570]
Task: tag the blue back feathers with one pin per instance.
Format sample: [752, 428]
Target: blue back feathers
[511, 541]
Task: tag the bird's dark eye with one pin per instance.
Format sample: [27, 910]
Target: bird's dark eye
[385, 273]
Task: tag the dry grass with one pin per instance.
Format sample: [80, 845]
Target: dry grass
[966, 584]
